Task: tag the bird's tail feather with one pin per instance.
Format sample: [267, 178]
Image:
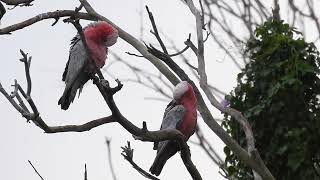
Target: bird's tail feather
[163, 155]
[157, 165]
[67, 97]
[70, 91]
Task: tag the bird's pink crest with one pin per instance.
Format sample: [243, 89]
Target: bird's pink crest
[180, 89]
[102, 31]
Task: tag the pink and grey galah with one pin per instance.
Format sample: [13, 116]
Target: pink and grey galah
[180, 114]
[99, 36]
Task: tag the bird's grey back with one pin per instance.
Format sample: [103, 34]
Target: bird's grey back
[77, 61]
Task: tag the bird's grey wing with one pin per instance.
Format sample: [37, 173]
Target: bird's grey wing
[173, 117]
[77, 61]
[74, 74]
[74, 41]
[170, 121]
[171, 105]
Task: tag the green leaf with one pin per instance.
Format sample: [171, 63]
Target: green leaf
[294, 161]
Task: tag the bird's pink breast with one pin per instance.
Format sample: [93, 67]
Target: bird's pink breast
[98, 52]
[189, 120]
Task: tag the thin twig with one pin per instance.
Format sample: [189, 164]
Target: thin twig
[85, 172]
[110, 159]
[155, 31]
[203, 142]
[127, 153]
[180, 52]
[132, 54]
[27, 63]
[35, 169]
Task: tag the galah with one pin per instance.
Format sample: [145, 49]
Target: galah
[99, 36]
[180, 114]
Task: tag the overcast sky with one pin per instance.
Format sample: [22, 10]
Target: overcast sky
[62, 156]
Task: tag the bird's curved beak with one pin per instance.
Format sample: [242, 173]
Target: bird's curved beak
[111, 40]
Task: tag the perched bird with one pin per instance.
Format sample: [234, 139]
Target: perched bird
[180, 114]
[99, 36]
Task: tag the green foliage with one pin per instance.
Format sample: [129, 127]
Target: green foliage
[278, 92]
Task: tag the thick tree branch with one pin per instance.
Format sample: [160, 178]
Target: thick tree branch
[49, 15]
[2, 10]
[18, 2]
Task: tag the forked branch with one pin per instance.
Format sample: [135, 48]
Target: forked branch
[127, 153]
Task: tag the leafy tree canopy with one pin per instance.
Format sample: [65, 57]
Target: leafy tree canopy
[278, 92]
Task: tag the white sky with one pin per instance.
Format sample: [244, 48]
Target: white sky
[62, 156]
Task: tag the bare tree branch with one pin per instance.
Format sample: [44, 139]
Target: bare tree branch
[43, 16]
[2, 10]
[200, 52]
[18, 2]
